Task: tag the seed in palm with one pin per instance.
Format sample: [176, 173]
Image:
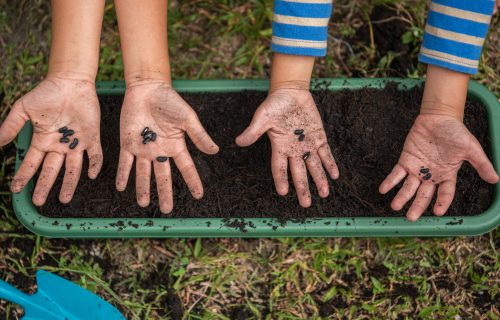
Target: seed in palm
[68, 133]
[74, 143]
[298, 132]
[302, 137]
[427, 176]
[306, 155]
[144, 131]
[161, 159]
[424, 170]
[64, 140]
[61, 130]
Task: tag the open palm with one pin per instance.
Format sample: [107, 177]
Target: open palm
[434, 151]
[53, 104]
[292, 122]
[159, 108]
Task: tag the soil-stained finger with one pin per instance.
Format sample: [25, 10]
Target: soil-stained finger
[72, 171]
[124, 167]
[143, 181]
[51, 166]
[300, 181]
[258, 126]
[326, 156]
[421, 202]
[164, 185]
[95, 160]
[406, 192]
[186, 166]
[315, 168]
[479, 160]
[279, 167]
[27, 170]
[397, 174]
[200, 137]
[446, 193]
[13, 123]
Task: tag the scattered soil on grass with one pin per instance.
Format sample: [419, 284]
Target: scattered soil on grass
[366, 130]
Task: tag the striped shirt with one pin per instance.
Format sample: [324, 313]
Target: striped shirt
[453, 39]
[300, 27]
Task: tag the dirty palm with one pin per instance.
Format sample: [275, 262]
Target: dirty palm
[155, 119]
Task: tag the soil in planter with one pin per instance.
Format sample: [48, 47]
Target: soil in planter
[366, 130]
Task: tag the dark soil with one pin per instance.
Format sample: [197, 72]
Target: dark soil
[366, 130]
[388, 28]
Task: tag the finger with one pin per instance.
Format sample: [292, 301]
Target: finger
[164, 185]
[482, 164]
[406, 192]
[299, 177]
[397, 174]
[27, 170]
[124, 166]
[446, 193]
[12, 124]
[51, 166]
[95, 160]
[72, 171]
[421, 202]
[279, 167]
[186, 166]
[315, 168]
[200, 137]
[325, 154]
[143, 181]
[252, 133]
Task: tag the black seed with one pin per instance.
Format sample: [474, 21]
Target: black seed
[153, 136]
[145, 141]
[68, 133]
[61, 130]
[424, 170]
[302, 137]
[161, 159]
[148, 135]
[144, 131]
[64, 140]
[299, 132]
[306, 155]
[74, 143]
[427, 176]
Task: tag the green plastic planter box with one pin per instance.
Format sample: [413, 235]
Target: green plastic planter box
[266, 227]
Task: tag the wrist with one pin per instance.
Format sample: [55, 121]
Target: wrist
[301, 85]
[141, 77]
[433, 107]
[291, 72]
[72, 71]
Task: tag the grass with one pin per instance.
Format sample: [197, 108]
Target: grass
[455, 278]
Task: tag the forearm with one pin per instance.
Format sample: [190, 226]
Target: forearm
[445, 92]
[76, 29]
[143, 35]
[291, 71]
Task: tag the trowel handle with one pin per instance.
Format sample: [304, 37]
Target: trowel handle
[10, 293]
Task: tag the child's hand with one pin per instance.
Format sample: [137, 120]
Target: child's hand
[293, 124]
[56, 103]
[157, 106]
[433, 152]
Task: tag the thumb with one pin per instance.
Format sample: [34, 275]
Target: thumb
[482, 164]
[200, 137]
[12, 124]
[252, 133]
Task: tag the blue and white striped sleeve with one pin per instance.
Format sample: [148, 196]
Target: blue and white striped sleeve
[300, 27]
[455, 32]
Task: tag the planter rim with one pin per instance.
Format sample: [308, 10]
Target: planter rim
[28, 214]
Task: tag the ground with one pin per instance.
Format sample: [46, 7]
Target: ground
[374, 278]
